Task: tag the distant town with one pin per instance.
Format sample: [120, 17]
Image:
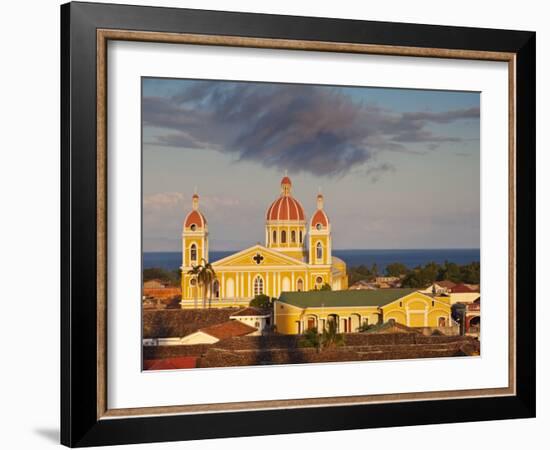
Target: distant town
[290, 300]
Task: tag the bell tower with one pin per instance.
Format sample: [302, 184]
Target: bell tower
[320, 242]
[194, 236]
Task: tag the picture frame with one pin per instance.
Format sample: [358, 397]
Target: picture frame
[86, 28]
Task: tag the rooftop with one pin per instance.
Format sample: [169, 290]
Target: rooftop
[232, 328]
[250, 311]
[313, 299]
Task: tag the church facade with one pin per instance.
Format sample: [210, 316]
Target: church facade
[296, 256]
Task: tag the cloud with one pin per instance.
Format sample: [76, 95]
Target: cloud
[376, 171]
[302, 128]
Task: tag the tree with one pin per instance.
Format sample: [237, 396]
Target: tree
[413, 280]
[470, 273]
[374, 270]
[325, 287]
[330, 336]
[261, 301]
[450, 271]
[365, 327]
[158, 273]
[396, 269]
[311, 338]
[205, 275]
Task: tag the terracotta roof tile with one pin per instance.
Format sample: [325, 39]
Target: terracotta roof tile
[250, 311]
[226, 330]
[182, 362]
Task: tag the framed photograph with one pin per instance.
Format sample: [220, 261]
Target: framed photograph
[277, 224]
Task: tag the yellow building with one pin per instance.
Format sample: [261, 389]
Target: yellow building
[296, 256]
[296, 312]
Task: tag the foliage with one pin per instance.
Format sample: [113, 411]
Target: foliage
[205, 275]
[359, 273]
[261, 301]
[365, 327]
[172, 278]
[330, 336]
[311, 338]
[327, 339]
[396, 269]
[420, 276]
[325, 287]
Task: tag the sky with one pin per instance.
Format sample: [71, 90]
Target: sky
[399, 168]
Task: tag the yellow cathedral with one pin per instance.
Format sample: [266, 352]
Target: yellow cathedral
[297, 256]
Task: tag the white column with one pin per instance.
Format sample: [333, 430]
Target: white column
[293, 286]
[266, 283]
[241, 293]
[250, 289]
[237, 284]
[222, 287]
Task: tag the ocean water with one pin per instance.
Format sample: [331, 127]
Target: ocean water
[411, 258]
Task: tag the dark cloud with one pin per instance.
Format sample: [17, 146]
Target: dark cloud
[315, 129]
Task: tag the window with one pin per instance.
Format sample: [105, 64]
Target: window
[216, 289]
[283, 237]
[301, 237]
[318, 226]
[193, 227]
[293, 236]
[274, 236]
[193, 253]
[319, 250]
[193, 282]
[319, 280]
[300, 285]
[258, 285]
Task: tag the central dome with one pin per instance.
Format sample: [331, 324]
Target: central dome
[286, 207]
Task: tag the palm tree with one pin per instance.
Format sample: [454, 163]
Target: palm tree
[195, 273]
[206, 276]
[330, 336]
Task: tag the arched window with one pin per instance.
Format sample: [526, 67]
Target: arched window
[258, 285]
[283, 237]
[274, 236]
[216, 289]
[318, 226]
[300, 285]
[293, 236]
[319, 251]
[193, 227]
[301, 237]
[193, 253]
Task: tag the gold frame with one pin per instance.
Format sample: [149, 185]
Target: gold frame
[104, 35]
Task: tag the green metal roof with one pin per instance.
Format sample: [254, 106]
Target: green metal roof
[317, 299]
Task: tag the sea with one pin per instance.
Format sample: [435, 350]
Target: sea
[410, 257]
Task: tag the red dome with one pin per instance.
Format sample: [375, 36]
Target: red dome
[286, 208]
[319, 217]
[195, 217]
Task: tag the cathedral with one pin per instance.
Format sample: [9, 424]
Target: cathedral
[297, 256]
